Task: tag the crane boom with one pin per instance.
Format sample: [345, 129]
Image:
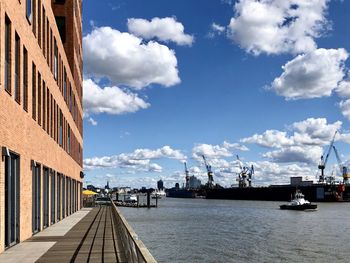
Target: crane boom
[330, 148]
[323, 162]
[210, 173]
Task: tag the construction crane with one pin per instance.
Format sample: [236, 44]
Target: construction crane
[187, 177]
[323, 162]
[210, 173]
[244, 173]
[342, 168]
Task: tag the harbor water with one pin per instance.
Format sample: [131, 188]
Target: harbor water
[200, 230]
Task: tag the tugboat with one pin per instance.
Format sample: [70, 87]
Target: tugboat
[298, 203]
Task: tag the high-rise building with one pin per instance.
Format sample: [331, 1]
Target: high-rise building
[195, 183]
[160, 185]
[41, 129]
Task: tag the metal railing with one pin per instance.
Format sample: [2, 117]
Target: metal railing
[135, 250]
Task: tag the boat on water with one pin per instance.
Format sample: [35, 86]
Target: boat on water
[158, 194]
[298, 203]
[131, 198]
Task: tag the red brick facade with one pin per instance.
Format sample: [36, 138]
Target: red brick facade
[40, 111]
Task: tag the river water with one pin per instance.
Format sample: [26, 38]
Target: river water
[200, 230]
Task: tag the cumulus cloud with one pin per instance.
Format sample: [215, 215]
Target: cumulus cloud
[126, 59]
[345, 108]
[302, 144]
[343, 89]
[274, 26]
[216, 151]
[140, 159]
[111, 100]
[312, 75]
[164, 29]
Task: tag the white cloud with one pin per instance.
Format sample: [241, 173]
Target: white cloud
[275, 26]
[295, 154]
[139, 160]
[216, 29]
[270, 139]
[235, 146]
[125, 59]
[345, 108]
[92, 121]
[303, 143]
[312, 75]
[164, 29]
[111, 100]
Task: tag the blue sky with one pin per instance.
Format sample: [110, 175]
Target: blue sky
[168, 81]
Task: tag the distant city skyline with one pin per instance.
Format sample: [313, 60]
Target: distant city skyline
[169, 81]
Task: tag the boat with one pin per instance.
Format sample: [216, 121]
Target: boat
[158, 194]
[131, 198]
[298, 203]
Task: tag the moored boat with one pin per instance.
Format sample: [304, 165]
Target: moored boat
[298, 203]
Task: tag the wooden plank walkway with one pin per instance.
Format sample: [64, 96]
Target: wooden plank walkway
[92, 239]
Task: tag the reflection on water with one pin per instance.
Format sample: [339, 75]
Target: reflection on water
[200, 230]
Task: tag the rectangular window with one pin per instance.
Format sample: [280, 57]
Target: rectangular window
[39, 98]
[36, 197]
[51, 64]
[70, 98]
[61, 25]
[29, 10]
[34, 17]
[44, 105]
[52, 117]
[60, 2]
[48, 41]
[68, 140]
[17, 89]
[53, 196]
[65, 85]
[48, 110]
[25, 79]
[44, 32]
[39, 23]
[61, 129]
[55, 63]
[34, 91]
[7, 54]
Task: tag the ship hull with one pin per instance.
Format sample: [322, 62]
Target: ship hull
[313, 193]
[180, 193]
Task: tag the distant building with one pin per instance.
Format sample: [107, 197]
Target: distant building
[107, 185]
[177, 186]
[160, 185]
[195, 182]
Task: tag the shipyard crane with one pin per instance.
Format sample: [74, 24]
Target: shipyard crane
[244, 173]
[187, 177]
[323, 162]
[210, 173]
[343, 169]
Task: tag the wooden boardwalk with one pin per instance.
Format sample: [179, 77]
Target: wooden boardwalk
[92, 239]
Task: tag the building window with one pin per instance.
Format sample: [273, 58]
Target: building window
[39, 23]
[48, 112]
[17, 88]
[68, 140]
[44, 32]
[44, 105]
[25, 79]
[7, 54]
[61, 129]
[34, 17]
[29, 10]
[55, 63]
[61, 25]
[39, 98]
[34, 91]
[65, 85]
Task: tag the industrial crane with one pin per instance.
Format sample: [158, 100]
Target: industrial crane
[343, 169]
[187, 177]
[244, 173]
[210, 173]
[323, 162]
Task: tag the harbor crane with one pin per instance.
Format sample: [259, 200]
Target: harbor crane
[209, 172]
[343, 169]
[323, 161]
[245, 174]
[187, 177]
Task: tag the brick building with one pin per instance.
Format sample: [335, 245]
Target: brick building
[41, 132]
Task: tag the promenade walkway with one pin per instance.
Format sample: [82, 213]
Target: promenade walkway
[92, 238]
